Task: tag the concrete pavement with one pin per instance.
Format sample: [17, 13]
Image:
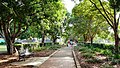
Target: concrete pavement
[61, 59]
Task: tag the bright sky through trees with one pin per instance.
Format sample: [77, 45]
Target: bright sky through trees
[69, 4]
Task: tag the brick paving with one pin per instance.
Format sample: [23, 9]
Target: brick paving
[61, 59]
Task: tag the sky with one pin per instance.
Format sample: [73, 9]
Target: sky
[69, 5]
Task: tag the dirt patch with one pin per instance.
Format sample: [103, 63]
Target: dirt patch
[2, 57]
[44, 53]
[15, 66]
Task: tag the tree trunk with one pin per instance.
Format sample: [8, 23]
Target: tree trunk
[115, 29]
[43, 39]
[9, 42]
[116, 42]
[10, 47]
[54, 40]
[91, 40]
[85, 38]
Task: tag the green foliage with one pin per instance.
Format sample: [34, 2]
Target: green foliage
[83, 48]
[87, 21]
[15, 18]
[17, 15]
[115, 4]
[39, 49]
[48, 18]
[112, 7]
[87, 50]
[2, 43]
[107, 52]
[94, 61]
[103, 49]
[48, 44]
[116, 56]
[77, 48]
[17, 43]
[87, 55]
[100, 46]
[96, 49]
[52, 47]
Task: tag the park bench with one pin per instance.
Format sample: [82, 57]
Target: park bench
[23, 53]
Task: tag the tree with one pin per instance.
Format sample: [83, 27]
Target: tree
[110, 17]
[33, 31]
[56, 20]
[48, 17]
[14, 20]
[86, 21]
[66, 28]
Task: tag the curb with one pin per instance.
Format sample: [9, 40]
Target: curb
[76, 60]
[53, 53]
[49, 56]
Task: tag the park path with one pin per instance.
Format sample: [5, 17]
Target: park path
[61, 59]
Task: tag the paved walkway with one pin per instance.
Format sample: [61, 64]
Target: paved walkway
[34, 61]
[62, 59]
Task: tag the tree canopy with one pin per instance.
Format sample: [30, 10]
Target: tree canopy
[20, 16]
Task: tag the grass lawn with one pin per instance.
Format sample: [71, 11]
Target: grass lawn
[3, 48]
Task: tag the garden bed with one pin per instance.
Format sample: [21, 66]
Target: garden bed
[96, 57]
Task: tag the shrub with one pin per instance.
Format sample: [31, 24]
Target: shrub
[36, 50]
[107, 52]
[54, 47]
[83, 48]
[116, 56]
[39, 49]
[96, 49]
[114, 62]
[97, 45]
[48, 44]
[76, 47]
[2, 43]
[95, 60]
[56, 43]
[86, 50]
[109, 47]
[115, 59]
[87, 55]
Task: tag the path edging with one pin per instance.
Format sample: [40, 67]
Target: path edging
[53, 53]
[76, 60]
[50, 56]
